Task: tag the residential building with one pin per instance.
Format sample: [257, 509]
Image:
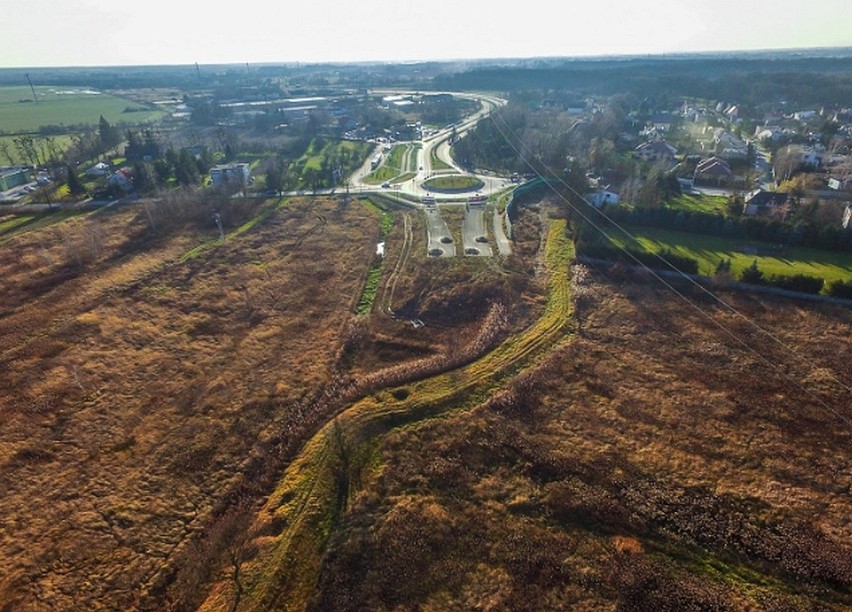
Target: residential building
[712, 169]
[601, 196]
[760, 202]
[237, 174]
[121, 179]
[657, 150]
[99, 169]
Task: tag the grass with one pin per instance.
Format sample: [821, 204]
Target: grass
[306, 502]
[234, 345]
[700, 203]
[19, 114]
[453, 183]
[13, 224]
[398, 167]
[710, 250]
[371, 287]
[436, 162]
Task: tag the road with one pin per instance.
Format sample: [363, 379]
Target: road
[439, 142]
[440, 240]
[474, 232]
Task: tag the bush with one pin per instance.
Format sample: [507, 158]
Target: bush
[752, 274]
[841, 289]
[664, 260]
[798, 282]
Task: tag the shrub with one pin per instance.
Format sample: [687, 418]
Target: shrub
[841, 289]
[798, 282]
[752, 274]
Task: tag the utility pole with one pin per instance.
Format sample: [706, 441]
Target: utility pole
[35, 97]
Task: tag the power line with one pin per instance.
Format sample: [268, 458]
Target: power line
[668, 285]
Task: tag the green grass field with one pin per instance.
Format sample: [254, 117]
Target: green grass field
[710, 250]
[68, 106]
[700, 203]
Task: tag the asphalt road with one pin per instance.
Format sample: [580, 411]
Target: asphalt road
[474, 232]
[438, 234]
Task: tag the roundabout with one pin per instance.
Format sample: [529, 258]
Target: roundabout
[453, 184]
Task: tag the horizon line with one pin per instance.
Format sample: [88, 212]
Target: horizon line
[389, 62]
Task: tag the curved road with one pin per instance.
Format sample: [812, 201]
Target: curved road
[438, 142]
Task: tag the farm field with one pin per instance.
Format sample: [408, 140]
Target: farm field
[66, 106]
[710, 250]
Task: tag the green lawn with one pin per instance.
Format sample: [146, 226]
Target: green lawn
[455, 182]
[709, 250]
[700, 203]
[68, 106]
[397, 168]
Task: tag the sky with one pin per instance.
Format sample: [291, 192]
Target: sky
[107, 33]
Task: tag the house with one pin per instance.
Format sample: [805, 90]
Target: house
[600, 197]
[812, 157]
[99, 169]
[759, 202]
[238, 174]
[657, 150]
[661, 121]
[121, 179]
[729, 145]
[713, 169]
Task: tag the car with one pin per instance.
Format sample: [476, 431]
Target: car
[385, 185]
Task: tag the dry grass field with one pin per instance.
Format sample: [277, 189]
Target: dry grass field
[650, 463]
[194, 423]
[146, 382]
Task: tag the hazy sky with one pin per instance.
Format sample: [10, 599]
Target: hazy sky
[97, 32]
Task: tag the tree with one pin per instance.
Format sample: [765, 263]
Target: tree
[752, 274]
[75, 187]
[275, 176]
[144, 177]
[5, 151]
[108, 134]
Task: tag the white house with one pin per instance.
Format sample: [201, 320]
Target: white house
[99, 169]
[600, 197]
[236, 174]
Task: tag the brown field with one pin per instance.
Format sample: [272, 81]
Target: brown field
[194, 423]
[147, 382]
[651, 463]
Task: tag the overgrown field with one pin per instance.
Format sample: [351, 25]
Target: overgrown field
[651, 463]
[191, 422]
[143, 391]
